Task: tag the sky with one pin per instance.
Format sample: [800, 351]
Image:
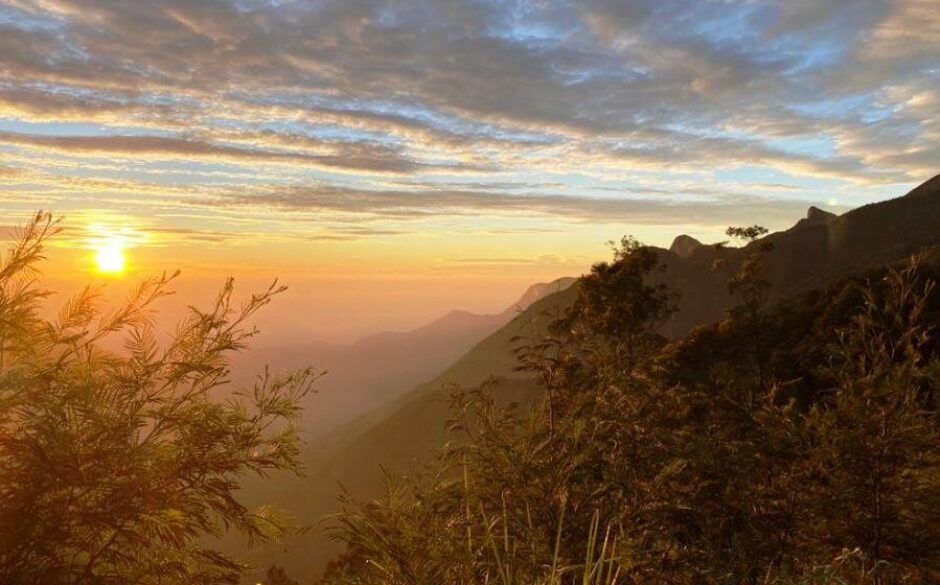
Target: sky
[390, 160]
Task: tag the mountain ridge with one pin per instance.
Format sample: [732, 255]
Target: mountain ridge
[375, 369]
[813, 251]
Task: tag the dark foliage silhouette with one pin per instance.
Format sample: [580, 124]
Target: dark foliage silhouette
[117, 466]
[796, 443]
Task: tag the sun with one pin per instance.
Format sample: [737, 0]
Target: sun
[109, 241]
[109, 258]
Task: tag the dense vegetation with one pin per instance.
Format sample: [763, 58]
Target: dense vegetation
[117, 466]
[791, 442]
[811, 255]
[797, 443]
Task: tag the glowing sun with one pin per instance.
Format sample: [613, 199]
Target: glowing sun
[109, 258]
[109, 241]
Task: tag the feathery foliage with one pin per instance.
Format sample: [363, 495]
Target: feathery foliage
[119, 466]
[784, 445]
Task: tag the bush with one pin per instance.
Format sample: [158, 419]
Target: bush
[119, 466]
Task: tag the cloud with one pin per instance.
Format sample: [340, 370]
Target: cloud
[353, 97]
[908, 32]
[352, 156]
[410, 205]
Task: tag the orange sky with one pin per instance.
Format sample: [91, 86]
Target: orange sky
[338, 290]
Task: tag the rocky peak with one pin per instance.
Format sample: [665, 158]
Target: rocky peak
[540, 290]
[683, 246]
[817, 215]
[928, 189]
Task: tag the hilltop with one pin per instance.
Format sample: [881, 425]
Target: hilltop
[814, 252]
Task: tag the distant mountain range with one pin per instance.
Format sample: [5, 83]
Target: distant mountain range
[818, 249]
[376, 369]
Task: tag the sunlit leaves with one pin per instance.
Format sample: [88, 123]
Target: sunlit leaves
[116, 466]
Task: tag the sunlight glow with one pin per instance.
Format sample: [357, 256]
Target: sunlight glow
[110, 239]
[110, 258]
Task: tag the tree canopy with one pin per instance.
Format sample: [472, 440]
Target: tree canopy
[119, 466]
[789, 444]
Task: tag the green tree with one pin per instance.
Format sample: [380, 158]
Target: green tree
[119, 466]
[873, 470]
[749, 284]
[672, 462]
[620, 306]
[517, 496]
[611, 329]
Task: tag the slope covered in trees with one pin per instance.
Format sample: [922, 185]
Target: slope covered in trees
[762, 414]
[373, 371]
[817, 251]
[792, 444]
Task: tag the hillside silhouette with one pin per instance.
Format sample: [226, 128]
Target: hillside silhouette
[818, 250]
[793, 444]
[376, 369]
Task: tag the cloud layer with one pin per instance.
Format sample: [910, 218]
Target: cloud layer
[385, 112]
